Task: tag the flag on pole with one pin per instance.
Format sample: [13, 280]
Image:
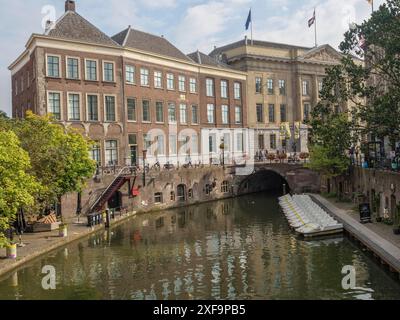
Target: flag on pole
[312, 20]
[248, 20]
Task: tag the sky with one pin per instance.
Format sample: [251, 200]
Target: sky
[188, 24]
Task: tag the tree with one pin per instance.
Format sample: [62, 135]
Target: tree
[60, 157]
[17, 186]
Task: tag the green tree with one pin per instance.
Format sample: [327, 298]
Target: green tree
[60, 157]
[17, 186]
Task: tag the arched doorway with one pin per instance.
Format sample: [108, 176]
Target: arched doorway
[264, 180]
[115, 201]
[181, 193]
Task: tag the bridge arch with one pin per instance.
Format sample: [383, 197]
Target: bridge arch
[264, 179]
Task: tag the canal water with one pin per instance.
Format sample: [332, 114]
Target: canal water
[233, 249]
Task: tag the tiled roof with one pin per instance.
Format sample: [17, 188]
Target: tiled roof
[72, 26]
[136, 39]
[202, 58]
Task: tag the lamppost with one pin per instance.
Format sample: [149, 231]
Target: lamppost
[222, 147]
[144, 167]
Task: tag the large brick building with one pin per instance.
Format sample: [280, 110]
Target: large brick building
[131, 92]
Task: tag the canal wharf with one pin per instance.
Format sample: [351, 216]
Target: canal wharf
[387, 252]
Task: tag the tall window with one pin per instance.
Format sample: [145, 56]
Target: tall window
[282, 87]
[131, 106]
[209, 87]
[260, 113]
[171, 113]
[270, 86]
[55, 105]
[195, 114]
[91, 70]
[306, 88]
[95, 153]
[146, 110]
[144, 77]
[93, 107]
[109, 71]
[237, 90]
[212, 143]
[130, 74]
[72, 68]
[170, 81]
[53, 66]
[272, 141]
[158, 79]
[160, 145]
[182, 83]
[193, 85]
[110, 108]
[271, 113]
[238, 114]
[224, 89]
[307, 109]
[258, 84]
[239, 142]
[210, 113]
[111, 152]
[195, 144]
[227, 142]
[283, 113]
[159, 111]
[74, 110]
[172, 144]
[183, 113]
[225, 114]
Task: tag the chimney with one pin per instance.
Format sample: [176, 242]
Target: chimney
[69, 5]
[49, 26]
[245, 40]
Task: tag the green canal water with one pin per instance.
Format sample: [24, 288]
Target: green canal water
[234, 249]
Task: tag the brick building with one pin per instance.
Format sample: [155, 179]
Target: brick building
[130, 92]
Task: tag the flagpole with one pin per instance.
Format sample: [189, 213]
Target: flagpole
[315, 27]
[251, 26]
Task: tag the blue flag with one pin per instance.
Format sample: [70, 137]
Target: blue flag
[248, 20]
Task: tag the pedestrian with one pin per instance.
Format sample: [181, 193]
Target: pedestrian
[386, 213]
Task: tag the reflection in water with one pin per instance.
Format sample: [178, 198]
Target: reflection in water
[233, 249]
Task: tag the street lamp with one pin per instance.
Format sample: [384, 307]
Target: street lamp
[144, 167]
[222, 147]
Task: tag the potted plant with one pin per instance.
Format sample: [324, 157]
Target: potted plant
[304, 156]
[63, 230]
[282, 156]
[271, 157]
[11, 250]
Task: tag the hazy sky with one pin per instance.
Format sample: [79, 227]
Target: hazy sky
[189, 24]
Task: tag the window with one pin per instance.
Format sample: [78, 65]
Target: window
[158, 197]
[193, 85]
[224, 89]
[261, 144]
[238, 114]
[283, 113]
[158, 79]
[147, 142]
[195, 115]
[146, 110]
[170, 81]
[183, 113]
[172, 144]
[195, 144]
[237, 90]
[172, 195]
[159, 111]
[95, 153]
[182, 83]
[239, 142]
[108, 71]
[171, 113]
[110, 108]
[258, 85]
[208, 189]
[227, 141]
[160, 145]
[111, 152]
[307, 109]
[209, 87]
[212, 143]
[225, 114]
[210, 113]
[131, 106]
[282, 87]
[305, 88]
[72, 68]
[225, 187]
[130, 74]
[270, 86]
[93, 107]
[272, 141]
[144, 77]
[91, 70]
[260, 113]
[53, 66]
[271, 113]
[132, 139]
[54, 106]
[74, 112]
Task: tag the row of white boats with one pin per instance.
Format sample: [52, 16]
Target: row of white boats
[308, 218]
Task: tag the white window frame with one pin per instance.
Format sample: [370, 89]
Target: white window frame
[198, 115]
[237, 97]
[163, 111]
[79, 68]
[148, 77]
[105, 110]
[227, 89]
[173, 81]
[241, 114]
[80, 106]
[180, 113]
[61, 102]
[210, 80]
[213, 115]
[105, 151]
[227, 114]
[161, 79]
[97, 69]
[191, 82]
[180, 77]
[59, 65]
[98, 107]
[134, 74]
[141, 109]
[114, 74]
[136, 109]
